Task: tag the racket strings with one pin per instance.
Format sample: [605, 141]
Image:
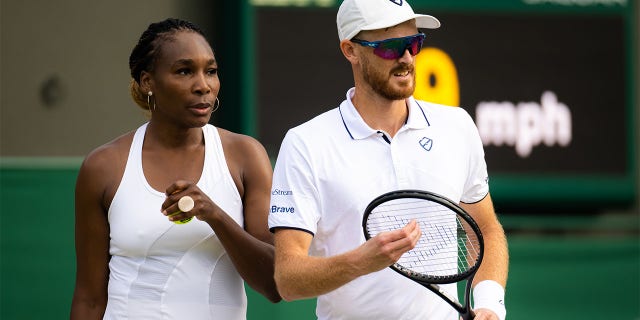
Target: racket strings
[448, 245]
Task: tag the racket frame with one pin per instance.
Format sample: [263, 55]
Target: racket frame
[432, 282]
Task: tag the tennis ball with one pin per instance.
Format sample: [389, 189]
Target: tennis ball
[183, 221]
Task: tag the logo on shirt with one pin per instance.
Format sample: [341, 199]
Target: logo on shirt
[426, 143]
[276, 209]
[278, 192]
[398, 2]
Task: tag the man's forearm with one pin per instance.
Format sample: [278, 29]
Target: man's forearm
[301, 277]
[495, 263]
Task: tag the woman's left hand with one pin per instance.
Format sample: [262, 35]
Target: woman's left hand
[203, 205]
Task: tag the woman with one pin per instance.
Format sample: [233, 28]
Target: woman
[135, 259]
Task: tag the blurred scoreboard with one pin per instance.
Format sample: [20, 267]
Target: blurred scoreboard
[550, 84]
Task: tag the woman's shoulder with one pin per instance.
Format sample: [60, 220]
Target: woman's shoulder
[103, 168]
[239, 141]
[110, 155]
[243, 152]
[246, 159]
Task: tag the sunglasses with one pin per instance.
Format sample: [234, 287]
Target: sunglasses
[394, 48]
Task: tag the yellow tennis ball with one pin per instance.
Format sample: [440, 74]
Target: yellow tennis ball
[183, 221]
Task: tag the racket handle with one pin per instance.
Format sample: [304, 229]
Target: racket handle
[469, 315]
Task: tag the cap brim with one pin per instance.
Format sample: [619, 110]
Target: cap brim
[427, 21]
[422, 21]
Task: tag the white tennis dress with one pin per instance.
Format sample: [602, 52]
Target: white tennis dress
[162, 270]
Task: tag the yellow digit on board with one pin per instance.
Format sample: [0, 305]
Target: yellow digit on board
[436, 78]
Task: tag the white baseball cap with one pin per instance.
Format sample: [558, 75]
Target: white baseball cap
[357, 15]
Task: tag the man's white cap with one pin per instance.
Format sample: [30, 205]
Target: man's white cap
[357, 15]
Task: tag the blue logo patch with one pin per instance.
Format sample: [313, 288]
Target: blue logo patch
[398, 2]
[426, 143]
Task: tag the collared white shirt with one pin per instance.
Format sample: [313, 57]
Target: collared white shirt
[331, 167]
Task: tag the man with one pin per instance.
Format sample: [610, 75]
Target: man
[331, 167]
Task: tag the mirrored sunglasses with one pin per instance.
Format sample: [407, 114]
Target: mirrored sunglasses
[394, 48]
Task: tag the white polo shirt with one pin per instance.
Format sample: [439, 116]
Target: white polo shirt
[330, 168]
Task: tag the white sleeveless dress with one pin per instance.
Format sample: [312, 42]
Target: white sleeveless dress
[162, 270]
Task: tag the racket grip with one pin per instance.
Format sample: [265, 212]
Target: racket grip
[469, 315]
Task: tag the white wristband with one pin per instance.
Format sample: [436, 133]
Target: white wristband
[489, 294]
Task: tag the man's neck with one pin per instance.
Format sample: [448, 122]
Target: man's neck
[380, 113]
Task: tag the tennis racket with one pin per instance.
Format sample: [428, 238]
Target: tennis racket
[450, 249]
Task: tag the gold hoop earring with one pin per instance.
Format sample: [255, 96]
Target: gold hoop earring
[216, 106]
[149, 94]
